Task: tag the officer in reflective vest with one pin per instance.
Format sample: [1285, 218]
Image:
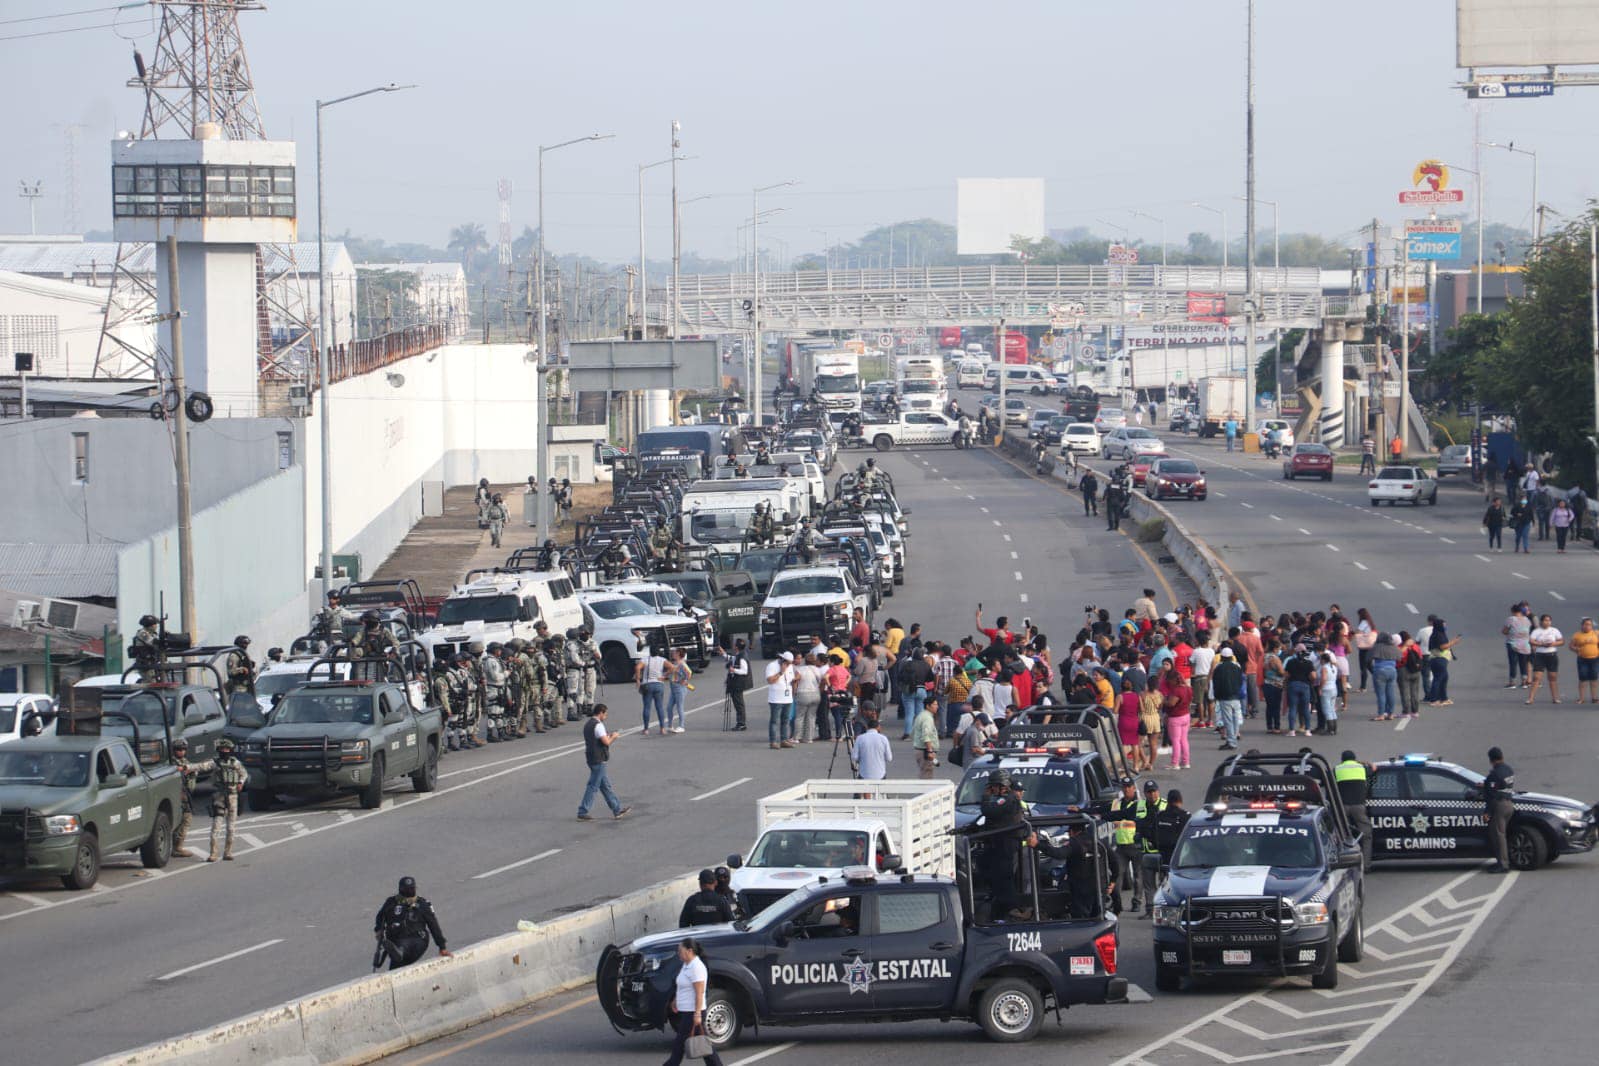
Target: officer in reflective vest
[1125, 812]
[1353, 777]
[1149, 858]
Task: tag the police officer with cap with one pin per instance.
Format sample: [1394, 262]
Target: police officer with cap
[1001, 819]
[402, 928]
[1125, 812]
[1148, 852]
[1499, 789]
[707, 906]
[1353, 777]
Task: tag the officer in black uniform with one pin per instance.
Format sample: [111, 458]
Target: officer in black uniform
[724, 888]
[1498, 789]
[1001, 821]
[707, 906]
[402, 927]
[1081, 855]
[1161, 827]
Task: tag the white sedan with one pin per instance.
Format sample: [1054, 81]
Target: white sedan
[1130, 441]
[1110, 418]
[1409, 483]
[1079, 437]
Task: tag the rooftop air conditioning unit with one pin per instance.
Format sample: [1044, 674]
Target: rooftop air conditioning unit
[25, 612]
[62, 614]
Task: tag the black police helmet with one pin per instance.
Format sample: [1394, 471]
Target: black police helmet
[149, 620]
[1128, 782]
[724, 874]
[407, 886]
[999, 779]
[1348, 756]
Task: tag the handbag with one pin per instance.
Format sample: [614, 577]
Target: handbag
[698, 1045]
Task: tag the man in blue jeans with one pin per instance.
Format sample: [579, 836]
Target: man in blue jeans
[1299, 670]
[650, 673]
[597, 741]
[780, 701]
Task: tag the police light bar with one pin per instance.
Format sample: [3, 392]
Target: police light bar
[1417, 758]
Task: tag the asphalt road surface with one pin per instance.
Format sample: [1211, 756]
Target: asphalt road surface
[1461, 965]
[149, 955]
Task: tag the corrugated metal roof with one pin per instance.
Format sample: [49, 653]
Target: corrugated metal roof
[61, 570]
[99, 258]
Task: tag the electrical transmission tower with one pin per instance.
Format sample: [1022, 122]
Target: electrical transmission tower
[199, 73]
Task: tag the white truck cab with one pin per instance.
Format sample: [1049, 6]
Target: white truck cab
[17, 707]
[499, 606]
[715, 514]
[625, 628]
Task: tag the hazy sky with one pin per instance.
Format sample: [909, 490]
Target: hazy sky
[875, 107]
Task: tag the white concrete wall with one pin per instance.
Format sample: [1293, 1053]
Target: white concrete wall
[58, 322]
[464, 412]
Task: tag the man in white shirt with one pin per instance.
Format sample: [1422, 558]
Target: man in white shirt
[872, 752]
[1202, 660]
[780, 701]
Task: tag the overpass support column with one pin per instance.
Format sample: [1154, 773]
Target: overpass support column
[1332, 383]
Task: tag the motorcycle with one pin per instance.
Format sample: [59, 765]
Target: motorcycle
[964, 438]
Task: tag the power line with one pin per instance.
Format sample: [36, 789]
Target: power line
[53, 33]
[72, 14]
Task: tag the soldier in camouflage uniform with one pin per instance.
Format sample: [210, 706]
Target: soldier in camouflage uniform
[524, 682]
[588, 656]
[547, 702]
[555, 661]
[371, 646]
[439, 687]
[189, 774]
[145, 647]
[463, 697]
[226, 784]
[494, 691]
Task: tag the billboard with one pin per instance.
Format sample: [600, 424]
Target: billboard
[1433, 239]
[991, 212]
[1526, 33]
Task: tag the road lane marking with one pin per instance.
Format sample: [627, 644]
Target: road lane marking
[517, 863]
[1411, 608]
[1523, 577]
[219, 958]
[1484, 558]
[1557, 595]
[983, 509]
[250, 839]
[1361, 565]
[768, 1053]
[1305, 531]
[1446, 540]
[1333, 548]
[1248, 505]
[1388, 585]
[1399, 726]
[1015, 555]
[718, 791]
[1023, 597]
[1223, 495]
[37, 901]
[969, 496]
[1275, 518]
[997, 522]
[1006, 536]
[479, 1041]
[1018, 574]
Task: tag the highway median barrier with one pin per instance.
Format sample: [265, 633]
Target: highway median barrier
[371, 1017]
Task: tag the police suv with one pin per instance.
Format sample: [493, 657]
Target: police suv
[1424, 808]
[868, 947]
[1068, 763]
[1265, 881]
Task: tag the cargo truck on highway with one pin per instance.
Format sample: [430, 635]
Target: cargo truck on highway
[834, 377]
[820, 827]
[1221, 397]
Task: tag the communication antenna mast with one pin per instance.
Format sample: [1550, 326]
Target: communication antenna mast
[71, 219]
[505, 223]
[199, 73]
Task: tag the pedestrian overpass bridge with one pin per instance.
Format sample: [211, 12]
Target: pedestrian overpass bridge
[1089, 297]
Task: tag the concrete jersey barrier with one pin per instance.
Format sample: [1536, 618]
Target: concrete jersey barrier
[368, 1018]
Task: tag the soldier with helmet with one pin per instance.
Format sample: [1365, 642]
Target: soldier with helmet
[586, 655]
[497, 516]
[867, 475]
[439, 689]
[762, 529]
[494, 691]
[227, 782]
[189, 775]
[372, 645]
[328, 625]
[145, 647]
[463, 698]
[403, 926]
[241, 668]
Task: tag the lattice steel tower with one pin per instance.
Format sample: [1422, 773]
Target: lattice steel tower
[199, 73]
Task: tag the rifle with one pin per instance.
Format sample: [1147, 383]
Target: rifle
[385, 950]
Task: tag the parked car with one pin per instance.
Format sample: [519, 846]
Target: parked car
[1129, 441]
[1409, 483]
[1455, 460]
[1308, 460]
[1175, 479]
[1080, 437]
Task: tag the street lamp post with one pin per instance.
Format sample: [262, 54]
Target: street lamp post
[1477, 175]
[543, 365]
[325, 343]
[644, 289]
[1160, 291]
[755, 299]
[1537, 216]
[1222, 211]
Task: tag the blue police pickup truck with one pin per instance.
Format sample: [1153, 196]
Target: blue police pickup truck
[1266, 880]
[870, 947]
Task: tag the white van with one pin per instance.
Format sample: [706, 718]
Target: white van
[1021, 378]
[969, 373]
[498, 606]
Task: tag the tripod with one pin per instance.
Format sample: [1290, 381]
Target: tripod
[727, 713]
[844, 734]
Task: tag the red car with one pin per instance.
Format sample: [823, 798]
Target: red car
[1140, 464]
[1175, 479]
[1312, 460]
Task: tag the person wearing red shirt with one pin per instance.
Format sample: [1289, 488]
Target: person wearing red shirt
[1181, 652]
[1254, 660]
[1021, 685]
[1000, 634]
[859, 631]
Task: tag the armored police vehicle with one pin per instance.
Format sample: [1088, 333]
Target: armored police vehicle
[332, 736]
[1422, 807]
[68, 800]
[1265, 881]
[728, 596]
[1062, 758]
[871, 947]
[496, 606]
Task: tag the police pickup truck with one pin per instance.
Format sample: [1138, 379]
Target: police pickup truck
[69, 799]
[1422, 807]
[1265, 880]
[1063, 759]
[869, 947]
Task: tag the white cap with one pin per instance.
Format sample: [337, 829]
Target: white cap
[1226, 653]
[788, 656]
[1170, 616]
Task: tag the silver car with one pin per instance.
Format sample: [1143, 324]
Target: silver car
[1455, 459]
[1129, 441]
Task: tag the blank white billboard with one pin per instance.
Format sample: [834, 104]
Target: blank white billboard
[1526, 33]
[991, 212]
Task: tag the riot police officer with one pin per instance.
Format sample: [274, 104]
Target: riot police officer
[402, 928]
[1125, 812]
[707, 906]
[724, 888]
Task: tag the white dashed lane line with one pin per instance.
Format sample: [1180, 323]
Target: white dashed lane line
[519, 863]
[1248, 505]
[1360, 565]
[719, 791]
[1006, 536]
[1015, 555]
[1411, 608]
[1018, 575]
[1388, 585]
[1305, 531]
[1522, 576]
[983, 509]
[1446, 540]
[1557, 595]
[220, 958]
[1334, 548]
[997, 522]
[1483, 558]
[1276, 518]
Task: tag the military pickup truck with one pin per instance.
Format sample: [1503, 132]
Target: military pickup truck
[334, 736]
[871, 947]
[67, 800]
[729, 595]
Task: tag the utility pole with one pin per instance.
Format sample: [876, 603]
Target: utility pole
[1404, 352]
[180, 419]
[31, 193]
[1249, 227]
[1593, 331]
[999, 356]
[677, 232]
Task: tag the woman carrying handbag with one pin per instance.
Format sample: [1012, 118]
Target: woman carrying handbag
[688, 1009]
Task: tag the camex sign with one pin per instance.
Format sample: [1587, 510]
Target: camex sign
[1432, 240]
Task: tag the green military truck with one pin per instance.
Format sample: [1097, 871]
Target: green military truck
[729, 594]
[340, 736]
[67, 800]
